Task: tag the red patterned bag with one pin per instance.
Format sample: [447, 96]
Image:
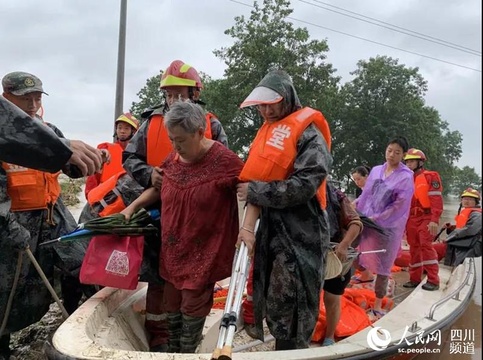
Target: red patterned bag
[113, 260]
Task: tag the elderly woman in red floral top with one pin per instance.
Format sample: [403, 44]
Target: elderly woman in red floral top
[199, 221]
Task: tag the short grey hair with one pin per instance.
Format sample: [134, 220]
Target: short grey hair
[187, 115]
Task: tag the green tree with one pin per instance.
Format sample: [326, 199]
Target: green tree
[384, 100]
[268, 40]
[150, 95]
[465, 178]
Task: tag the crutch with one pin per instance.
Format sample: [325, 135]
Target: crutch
[233, 303]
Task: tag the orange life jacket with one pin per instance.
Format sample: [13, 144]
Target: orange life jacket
[273, 152]
[115, 165]
[158, 144]
[462, 218]
[31, 189]
[97, 195]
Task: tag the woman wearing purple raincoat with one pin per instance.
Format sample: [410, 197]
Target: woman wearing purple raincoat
[386, 199]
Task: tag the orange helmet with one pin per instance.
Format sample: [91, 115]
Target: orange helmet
[470, 192]
[415, 154]
[128, 118]
[179, 73]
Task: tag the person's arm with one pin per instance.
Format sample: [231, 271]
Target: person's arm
[70, 170]
[435, 195]
[217, 132]
[311, 167]
[350, 221]
[147, 198]
[31, 144]
[247, 228]
[134, 157]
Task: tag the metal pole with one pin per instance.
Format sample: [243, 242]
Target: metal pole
[118, 109]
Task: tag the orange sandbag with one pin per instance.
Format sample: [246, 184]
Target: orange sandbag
[353, 318]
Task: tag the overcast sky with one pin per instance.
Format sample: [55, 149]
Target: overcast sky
[72, 45]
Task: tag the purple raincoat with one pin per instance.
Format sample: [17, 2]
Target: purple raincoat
[387, 202]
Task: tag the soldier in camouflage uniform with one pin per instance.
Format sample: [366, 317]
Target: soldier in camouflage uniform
[293, 235]
[29, 228]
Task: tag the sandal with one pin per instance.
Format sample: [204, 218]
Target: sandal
[357, 280]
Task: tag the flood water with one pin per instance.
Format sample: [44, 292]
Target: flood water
[471, 318]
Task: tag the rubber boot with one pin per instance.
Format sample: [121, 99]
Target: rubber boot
[191, 333]
[175, 323]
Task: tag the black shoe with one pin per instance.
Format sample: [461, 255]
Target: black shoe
[251, 330]
[430, 286]
[411, 284]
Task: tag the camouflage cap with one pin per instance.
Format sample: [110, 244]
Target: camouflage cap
[20, 83]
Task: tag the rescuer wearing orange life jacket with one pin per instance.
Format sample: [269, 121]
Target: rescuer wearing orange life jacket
[142, 159]
[284, 183]
[150, 146]
[126, 127]
[464, 238]
[423, 222]
[33, 211]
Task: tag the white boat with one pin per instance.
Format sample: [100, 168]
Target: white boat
[110, 325]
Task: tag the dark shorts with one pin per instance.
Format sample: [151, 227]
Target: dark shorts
[337, 285]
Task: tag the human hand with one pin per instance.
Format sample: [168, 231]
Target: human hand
[157, 177]
[341, 252]
[128, 213]
[242, 191]
[433, 228]
[106, 156]
[248, 237]
[85, 157]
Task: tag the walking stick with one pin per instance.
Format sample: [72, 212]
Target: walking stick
[65, 314]
[233, 303]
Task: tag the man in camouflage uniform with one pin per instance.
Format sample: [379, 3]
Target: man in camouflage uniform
[27, 228]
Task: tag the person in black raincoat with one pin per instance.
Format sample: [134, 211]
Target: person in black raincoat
[293, 236]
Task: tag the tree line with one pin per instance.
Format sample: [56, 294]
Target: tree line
[384, 99]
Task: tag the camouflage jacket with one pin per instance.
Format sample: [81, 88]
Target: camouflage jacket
[28, 143]
[135, 155]
[292, 240]
[17, 229]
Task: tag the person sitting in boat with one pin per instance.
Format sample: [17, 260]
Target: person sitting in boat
[345, 227]
[283, 183]
[386, 200]
[464, 238]
[199, 222]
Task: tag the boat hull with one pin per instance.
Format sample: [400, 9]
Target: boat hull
[110, 326]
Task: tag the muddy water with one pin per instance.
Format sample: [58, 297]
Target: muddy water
[471, 318]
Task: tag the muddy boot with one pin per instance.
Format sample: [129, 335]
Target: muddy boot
[175, 323]
[191, 333]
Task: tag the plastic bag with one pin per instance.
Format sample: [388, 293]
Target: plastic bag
[113, 260]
